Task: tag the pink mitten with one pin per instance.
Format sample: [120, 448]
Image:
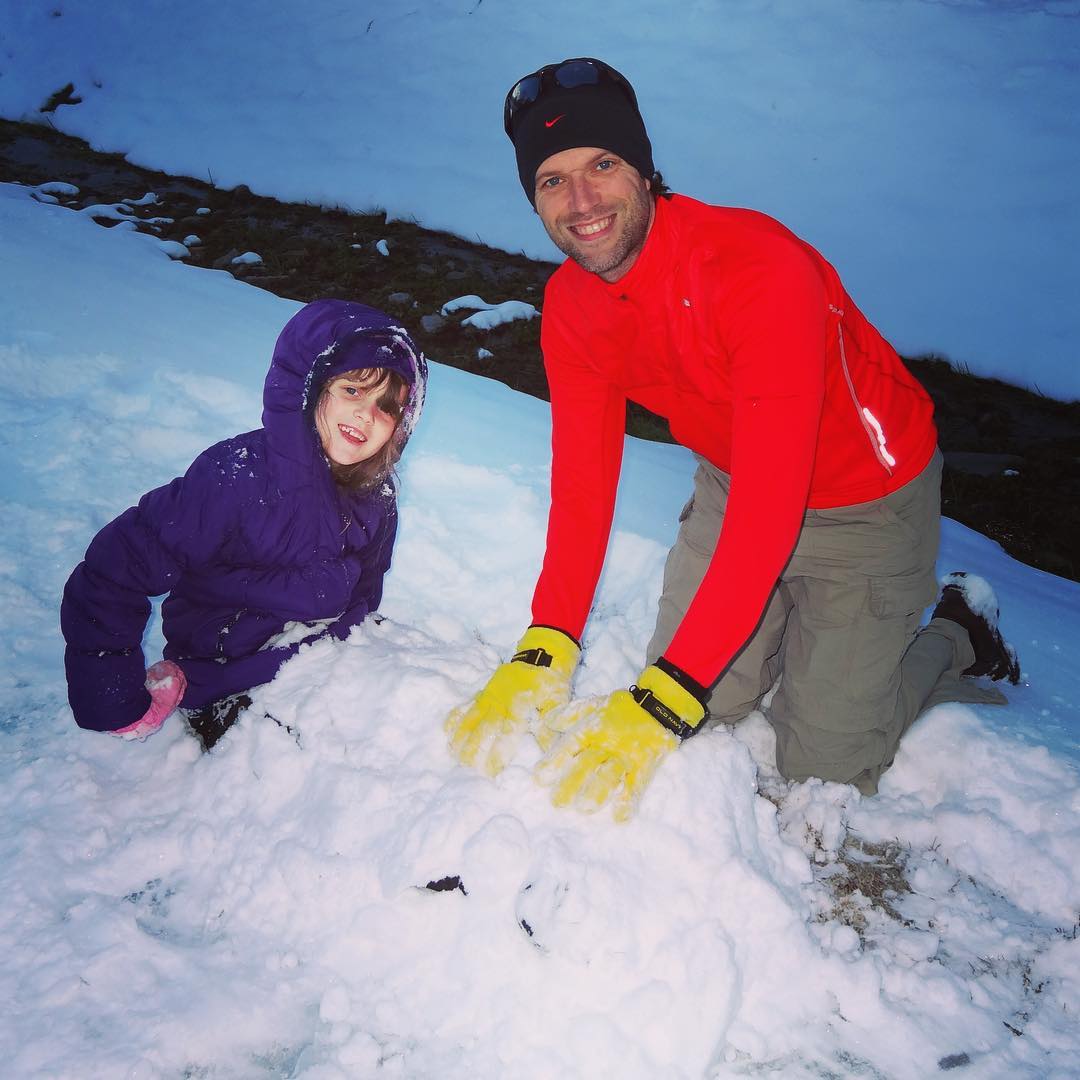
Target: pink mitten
[166, 683]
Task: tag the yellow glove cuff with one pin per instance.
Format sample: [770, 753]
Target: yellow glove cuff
[667, 702]
[545, 647]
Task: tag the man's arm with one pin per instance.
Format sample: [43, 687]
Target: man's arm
[772, 318]
[588, 418]
[773, 321]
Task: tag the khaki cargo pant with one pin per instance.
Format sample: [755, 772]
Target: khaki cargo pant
[841, 629]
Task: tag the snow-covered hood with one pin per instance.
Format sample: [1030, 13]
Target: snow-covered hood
[322, 340]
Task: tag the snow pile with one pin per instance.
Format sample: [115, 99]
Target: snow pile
[48, 193]
[263, 910]
[488, 316]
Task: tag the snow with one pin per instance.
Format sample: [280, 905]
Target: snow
[929, 148]
[108, 211]
[174, 249]
[260, 911]
[978, 594]
[382, 247]
[488, 316]
[248, 258]
[58, 188]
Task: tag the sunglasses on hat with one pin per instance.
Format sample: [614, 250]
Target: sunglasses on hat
[580, 71]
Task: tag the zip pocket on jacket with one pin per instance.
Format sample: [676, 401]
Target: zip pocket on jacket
[869, 422]
[223, 633]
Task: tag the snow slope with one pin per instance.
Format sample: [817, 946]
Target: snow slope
[260, 911]
[929, 148]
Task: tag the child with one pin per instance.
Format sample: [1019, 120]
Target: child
[293, 523]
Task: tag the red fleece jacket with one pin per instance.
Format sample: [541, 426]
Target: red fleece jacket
[743, 337]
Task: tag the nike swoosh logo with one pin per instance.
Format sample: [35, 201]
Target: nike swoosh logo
[552, 123]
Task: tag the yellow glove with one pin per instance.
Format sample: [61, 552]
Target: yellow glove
[619, 742]
[515, 699]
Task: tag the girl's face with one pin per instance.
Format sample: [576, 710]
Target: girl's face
[350, 424]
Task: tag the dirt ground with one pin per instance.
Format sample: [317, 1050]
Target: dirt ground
[1012, 456]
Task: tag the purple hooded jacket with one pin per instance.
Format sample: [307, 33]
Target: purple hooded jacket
[255, 535]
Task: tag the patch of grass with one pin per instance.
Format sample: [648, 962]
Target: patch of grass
[866, 876]
[64, 96]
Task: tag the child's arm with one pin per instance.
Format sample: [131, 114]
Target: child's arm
[106, 600]
[367, 592]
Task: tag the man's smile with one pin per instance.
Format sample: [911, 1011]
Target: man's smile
[591, 228]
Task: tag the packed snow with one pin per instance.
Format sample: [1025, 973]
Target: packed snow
[263, 910]
[488, 316]
[929, 148]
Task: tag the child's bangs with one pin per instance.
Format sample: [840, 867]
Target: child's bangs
[389, 384]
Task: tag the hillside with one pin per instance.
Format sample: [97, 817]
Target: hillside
[1012, 456]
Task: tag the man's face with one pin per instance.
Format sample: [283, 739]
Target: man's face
[596, 208]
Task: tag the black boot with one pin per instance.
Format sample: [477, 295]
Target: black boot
[994, 656]
[212, 721]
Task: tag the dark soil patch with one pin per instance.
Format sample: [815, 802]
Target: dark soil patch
[1012, 457]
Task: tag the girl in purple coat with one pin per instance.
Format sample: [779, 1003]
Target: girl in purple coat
[293, 523]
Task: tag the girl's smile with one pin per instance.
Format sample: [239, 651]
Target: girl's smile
[352, 434]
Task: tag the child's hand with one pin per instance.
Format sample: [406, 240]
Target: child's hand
[166, 683]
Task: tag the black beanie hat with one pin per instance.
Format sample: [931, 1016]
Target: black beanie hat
[596, 114]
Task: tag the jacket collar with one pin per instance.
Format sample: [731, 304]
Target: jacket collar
[651, 266]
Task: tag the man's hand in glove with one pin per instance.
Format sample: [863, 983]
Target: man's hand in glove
[616, 743]
[515, 699]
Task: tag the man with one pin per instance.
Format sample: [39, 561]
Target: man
[807, 550]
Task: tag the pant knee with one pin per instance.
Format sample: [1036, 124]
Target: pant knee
[804, 751]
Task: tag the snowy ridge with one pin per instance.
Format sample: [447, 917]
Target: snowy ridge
[929, 150]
